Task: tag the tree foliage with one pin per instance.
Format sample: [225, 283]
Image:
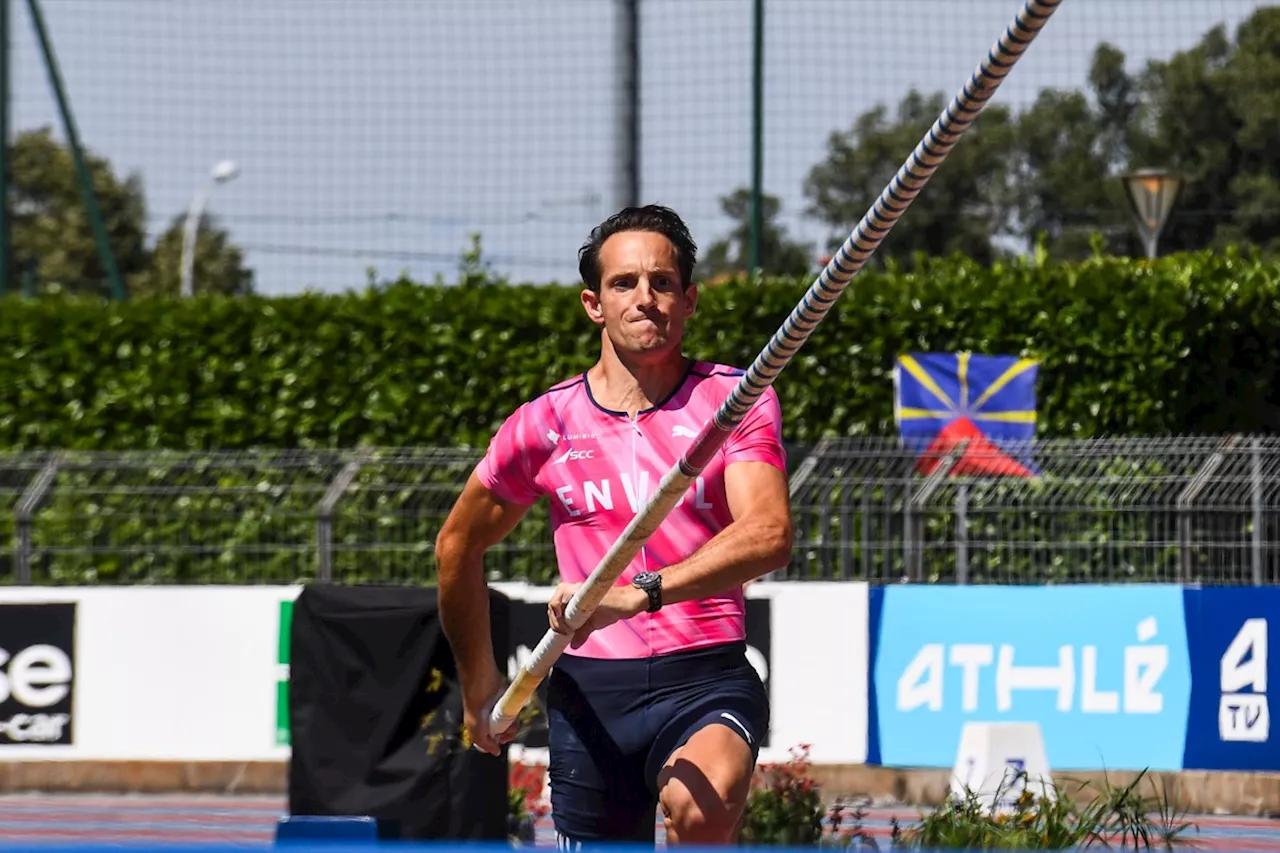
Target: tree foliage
[779, 254]
[1049, 174]
[52, 238]
[967, 205]
[1213, 112]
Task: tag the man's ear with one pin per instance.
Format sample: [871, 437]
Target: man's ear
[591, 304]
[690, 299]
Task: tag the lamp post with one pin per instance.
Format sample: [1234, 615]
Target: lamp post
[223, 171]
[1152, 194]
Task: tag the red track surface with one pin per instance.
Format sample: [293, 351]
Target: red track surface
[31, 819]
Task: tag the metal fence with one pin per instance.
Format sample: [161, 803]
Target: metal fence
[1188, 509]
[1193, 509]
[382, 134]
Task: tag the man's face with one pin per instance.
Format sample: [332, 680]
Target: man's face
[642, 305]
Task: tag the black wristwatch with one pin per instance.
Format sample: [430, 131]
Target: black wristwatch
[651, 583]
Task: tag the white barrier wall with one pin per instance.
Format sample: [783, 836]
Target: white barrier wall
[818, 678]
[192, 673]
[161, 674]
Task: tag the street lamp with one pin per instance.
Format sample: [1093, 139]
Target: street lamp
[223, 171]
[1152, 194]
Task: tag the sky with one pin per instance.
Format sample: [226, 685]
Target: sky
[378, 135]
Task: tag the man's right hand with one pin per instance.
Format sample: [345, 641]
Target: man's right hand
[477, 706]
[479, 520]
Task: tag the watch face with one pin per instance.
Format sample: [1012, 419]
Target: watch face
[644, 579]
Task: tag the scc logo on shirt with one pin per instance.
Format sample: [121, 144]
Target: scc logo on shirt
[37, 672]
[573, 456]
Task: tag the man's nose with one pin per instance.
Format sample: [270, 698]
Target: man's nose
[645, 294]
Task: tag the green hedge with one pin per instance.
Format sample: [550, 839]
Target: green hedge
[1186, 344]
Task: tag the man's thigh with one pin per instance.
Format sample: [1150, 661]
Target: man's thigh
[598, 787]
[708, 750]
[712, 772]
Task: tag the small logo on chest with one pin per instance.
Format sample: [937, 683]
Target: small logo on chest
[573, 456]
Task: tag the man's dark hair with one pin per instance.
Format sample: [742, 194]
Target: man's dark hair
[653, 218]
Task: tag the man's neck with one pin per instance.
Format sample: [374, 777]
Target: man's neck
[628, 386]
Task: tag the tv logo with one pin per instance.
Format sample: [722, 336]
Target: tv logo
[1244, 717]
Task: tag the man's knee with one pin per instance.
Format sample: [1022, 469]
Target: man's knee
[704, 786]
[710, 818]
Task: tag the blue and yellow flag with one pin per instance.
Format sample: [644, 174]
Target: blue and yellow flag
[990, 400]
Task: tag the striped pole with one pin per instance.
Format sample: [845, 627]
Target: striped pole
[786, 342]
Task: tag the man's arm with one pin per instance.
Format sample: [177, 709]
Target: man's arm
[478, 521]
[756, 542]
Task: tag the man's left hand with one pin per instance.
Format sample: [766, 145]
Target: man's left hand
[620, 602]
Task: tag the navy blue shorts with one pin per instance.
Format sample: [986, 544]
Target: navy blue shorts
[614, 723]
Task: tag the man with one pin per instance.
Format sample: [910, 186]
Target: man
[654, 701]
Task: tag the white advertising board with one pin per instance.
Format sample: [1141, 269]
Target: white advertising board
[193, 673]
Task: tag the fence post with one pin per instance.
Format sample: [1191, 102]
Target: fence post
[106, 255]
[27, 505]
[915, 521]
[627, 53]
[1255, 478]
[754, 261]
[844, 560]
[962, 534]
[797, 481]
[866, 533]
[324, 516]
[6, 100]
[1187, 498]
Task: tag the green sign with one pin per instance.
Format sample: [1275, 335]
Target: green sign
[282, 674]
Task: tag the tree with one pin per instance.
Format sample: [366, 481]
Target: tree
[218, 265]
[1052, 173]
[1070, 150]
[52, 236]
[1213, 112]
[779, 255]
[966, 204]
[51, 230]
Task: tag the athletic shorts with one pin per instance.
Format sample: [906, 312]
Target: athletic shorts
[614, 723]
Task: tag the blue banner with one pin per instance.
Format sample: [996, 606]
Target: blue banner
[1228, 633]
[1104, 671]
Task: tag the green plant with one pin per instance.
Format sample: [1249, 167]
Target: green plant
[1186, 343]
[784, 806]
[1061, 818]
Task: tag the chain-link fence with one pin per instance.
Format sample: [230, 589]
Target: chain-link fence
[1196, 509]
[247, 517]
[383, 134]
[1191, 509]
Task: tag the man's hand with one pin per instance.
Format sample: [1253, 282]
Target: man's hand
[477, 521]
[620, 602]
[477, 706]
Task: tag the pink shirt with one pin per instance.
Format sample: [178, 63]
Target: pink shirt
[598, 468]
